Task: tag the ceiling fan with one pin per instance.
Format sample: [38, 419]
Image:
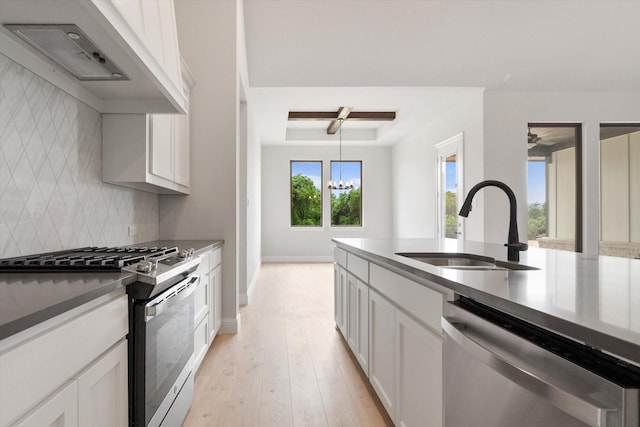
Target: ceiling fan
[533, 140]
[343, 114]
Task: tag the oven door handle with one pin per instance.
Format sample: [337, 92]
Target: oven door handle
[175, 294]
[589, 412]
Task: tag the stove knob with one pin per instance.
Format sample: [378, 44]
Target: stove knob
[144, 266]
[191, 251]
[183, 253]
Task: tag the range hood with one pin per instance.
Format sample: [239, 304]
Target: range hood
[116, 56]
[69, 47]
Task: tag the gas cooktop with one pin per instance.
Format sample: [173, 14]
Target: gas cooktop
[90, 258]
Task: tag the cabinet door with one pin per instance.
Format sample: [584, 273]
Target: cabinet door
[217, 295]
[419, 374]
[181, 149]
[61, 410]
[352, 312]
[103, 390]
[161, 145]
[200, 342]
[362, 326]
[336, 293]
[382, 360]
[342, 300]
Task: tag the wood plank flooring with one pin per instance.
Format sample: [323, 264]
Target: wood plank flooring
[288, 365]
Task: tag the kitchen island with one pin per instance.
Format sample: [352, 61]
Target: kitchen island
[593, 299]
[397, 305]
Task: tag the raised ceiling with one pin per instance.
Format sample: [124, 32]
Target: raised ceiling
[553, 45]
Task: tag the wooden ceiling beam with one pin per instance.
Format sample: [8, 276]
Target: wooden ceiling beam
[343, 114]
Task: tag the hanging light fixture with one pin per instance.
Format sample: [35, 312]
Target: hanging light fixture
[340, 186]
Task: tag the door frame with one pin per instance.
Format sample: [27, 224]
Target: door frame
[444, 149]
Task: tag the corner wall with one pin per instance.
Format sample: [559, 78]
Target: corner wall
[210, 211]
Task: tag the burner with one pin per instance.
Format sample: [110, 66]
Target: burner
[84, 259]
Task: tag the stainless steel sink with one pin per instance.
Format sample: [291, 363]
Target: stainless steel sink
[462, 261]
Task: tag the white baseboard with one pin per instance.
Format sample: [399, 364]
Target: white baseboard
[230, 325]
[312, 258]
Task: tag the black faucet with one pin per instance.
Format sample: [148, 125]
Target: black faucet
[513, 245]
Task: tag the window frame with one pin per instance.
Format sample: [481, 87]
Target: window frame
[361, 225]
[291, 225]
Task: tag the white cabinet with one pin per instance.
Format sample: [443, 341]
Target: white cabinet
[419, 374]
[60, 410]
[102, 397]
[215, 315]
[69, 370]
[208, 304]
[382, 352]
[358, 320]
[148, 152]
[139, 36]
[392, 325]
[340, 298]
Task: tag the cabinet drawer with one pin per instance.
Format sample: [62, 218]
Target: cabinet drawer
[358, 267]
[216, 258]
[340, 256]
[56, 356]
[204, 267]
[418, 300]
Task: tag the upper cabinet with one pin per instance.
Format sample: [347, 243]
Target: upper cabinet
[148, 152]
[138, 36]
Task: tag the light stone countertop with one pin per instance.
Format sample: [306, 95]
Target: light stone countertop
[593, 299]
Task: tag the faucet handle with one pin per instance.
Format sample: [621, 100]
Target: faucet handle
[518, 245]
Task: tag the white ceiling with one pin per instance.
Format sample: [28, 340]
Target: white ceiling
[417, 56]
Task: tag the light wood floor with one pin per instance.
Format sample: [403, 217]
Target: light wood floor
[288, 365]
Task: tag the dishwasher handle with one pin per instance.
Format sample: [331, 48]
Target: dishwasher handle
[175, 294]
[587, 412]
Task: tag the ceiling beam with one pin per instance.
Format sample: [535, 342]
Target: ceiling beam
[343, 114]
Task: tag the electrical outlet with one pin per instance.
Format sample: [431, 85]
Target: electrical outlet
[132, 230]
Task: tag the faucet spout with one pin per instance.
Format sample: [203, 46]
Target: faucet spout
[514, 246]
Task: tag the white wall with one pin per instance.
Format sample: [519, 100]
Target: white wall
[506, 116]
[414, 168]
[207, 32]
[280, 242]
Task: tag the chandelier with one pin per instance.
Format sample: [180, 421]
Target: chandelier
[340, 185]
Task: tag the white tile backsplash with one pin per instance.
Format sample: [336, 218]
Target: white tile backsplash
[51, 193]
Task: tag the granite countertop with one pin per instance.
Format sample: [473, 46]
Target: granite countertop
[27, 299]
[594, 299]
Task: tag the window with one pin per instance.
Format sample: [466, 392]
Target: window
[346, 205]
[306, 194]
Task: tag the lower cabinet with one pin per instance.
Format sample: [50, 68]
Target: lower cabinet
[392, 326]
[419, 374]
[61, 410]
[70, 371]
[382, 352]
[101, 400]
[340, 298]
[208, 304]
[358, 320]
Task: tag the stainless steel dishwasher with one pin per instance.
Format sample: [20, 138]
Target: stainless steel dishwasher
[500, 371]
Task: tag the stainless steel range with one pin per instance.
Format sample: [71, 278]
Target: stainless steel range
[161, 310]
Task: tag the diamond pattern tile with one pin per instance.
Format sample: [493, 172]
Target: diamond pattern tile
[51, 193]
